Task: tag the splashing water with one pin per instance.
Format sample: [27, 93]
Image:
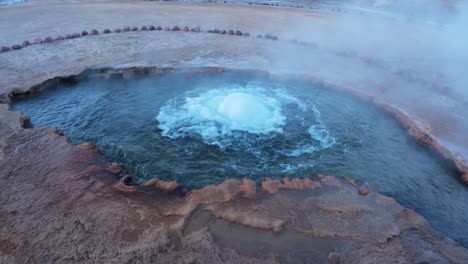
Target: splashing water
[224, 116]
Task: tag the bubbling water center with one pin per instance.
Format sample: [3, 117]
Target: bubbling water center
[220, 114]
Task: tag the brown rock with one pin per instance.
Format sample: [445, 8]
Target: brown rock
[334, 258]
[270, 186]
[16, 47]
[115, 168]
[26, 121]
[364, 189]
[87, 146]
[311, 185]
[48, 40]
[297, 184]
[225, 191]
[124, 185]
[286, 183]
[248, 188]
[168, 186]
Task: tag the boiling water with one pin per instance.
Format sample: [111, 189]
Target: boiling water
[200, 129]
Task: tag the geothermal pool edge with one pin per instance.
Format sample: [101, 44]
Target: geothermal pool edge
[64, 203]
[415, 129]
[234, 201]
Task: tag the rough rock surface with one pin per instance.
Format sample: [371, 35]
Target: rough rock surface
[62, 203]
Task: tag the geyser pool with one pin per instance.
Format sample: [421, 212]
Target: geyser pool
[201, 128]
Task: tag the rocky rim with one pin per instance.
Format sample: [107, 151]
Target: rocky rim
[64, 203]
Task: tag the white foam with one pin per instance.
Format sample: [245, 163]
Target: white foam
[222, 116]
[319, 131]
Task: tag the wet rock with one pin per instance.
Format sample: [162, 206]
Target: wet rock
[334, 258]
[216, 31]
[310, 184]
[76, 35]
[364, 189]
[134, 28]
[115, 168]
[151, 28]
[238, 33]
[84, 33]
[59, 38]
[38, 40]
[117, 30]
[88, 146]
[26, 43]
[16, 47]
[223, 32]
[124, 185]
[175, 28]
[167, 29]
[158, 28]
[230, 32]
[144, 28]
[186, 29]
[350, 181]
[48, 40]
[94, 32]
[247, 34]
[168, 186]
[126, 29]
[249, 188]
[196, 29]
[224, 191]
[270, 186]
[106, 31]
[25, 121]
[68, 36]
